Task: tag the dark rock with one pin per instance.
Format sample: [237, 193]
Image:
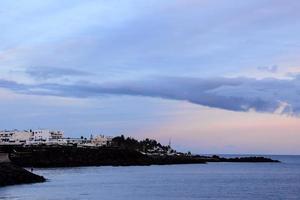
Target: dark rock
[253, 159]
[11, 174]
[68, 156]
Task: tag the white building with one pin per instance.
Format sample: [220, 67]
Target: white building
[29, 136]
[14, 136]
[57, 134]
[21, 136]
[5, 135]
[48, 137]
[73, 141]
[101, 140]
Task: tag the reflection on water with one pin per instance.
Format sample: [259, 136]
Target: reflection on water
[210, 181]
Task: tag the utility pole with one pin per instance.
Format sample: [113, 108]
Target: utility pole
[170, 140]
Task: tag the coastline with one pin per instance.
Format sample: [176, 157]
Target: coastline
[11, 171]
[165, 181]
[11, 174]
[69, 156]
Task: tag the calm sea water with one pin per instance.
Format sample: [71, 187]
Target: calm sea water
[210, 181]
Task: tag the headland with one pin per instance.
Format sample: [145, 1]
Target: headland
[37, 149]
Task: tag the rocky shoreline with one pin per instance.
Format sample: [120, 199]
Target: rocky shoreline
[70, 156]
[121, 152]
[11, 174]
[73, 156]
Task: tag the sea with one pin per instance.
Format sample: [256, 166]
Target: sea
[230, 181]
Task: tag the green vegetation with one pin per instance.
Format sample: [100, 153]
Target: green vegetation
[146, 145]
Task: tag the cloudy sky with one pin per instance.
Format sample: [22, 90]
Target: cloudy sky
[215, 76]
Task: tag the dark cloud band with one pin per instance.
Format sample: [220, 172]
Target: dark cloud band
[236, 94]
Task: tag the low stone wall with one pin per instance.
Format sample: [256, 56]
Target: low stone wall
[4, 158]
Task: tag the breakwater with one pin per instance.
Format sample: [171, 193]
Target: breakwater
[11, 174]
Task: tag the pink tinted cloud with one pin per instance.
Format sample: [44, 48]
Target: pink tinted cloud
[209, 130]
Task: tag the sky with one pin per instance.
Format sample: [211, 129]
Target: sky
[214, 76]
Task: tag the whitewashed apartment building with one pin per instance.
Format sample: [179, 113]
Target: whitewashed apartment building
[49, 137]
[30, 136]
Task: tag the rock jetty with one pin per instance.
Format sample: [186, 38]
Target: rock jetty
[11, 174]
